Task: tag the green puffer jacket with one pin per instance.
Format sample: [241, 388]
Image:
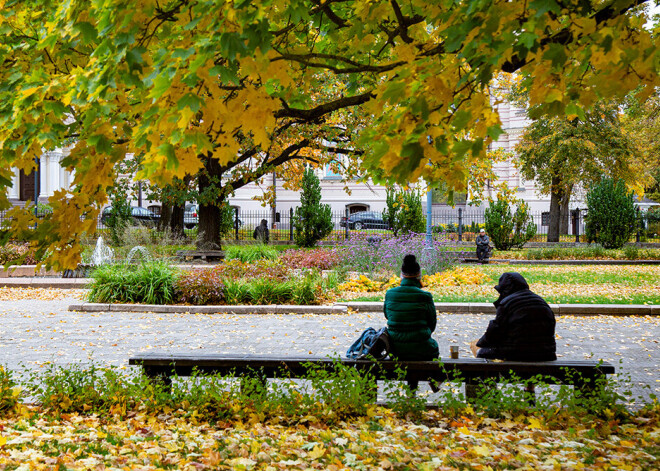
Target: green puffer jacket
[411, 319]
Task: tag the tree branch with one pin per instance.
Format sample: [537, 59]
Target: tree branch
[321, 110]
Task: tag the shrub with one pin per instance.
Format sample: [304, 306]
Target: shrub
[9, 392]
[611, 218]
[250, 253]
[273, 269]
[312, 220]
[200, 286]
[148, 283]
[18, 254]
[506, 230]
[323, 259]
[404, 211]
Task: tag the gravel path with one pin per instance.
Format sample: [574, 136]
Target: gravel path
[37, 331]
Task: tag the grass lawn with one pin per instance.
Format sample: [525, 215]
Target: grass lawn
[557, 284]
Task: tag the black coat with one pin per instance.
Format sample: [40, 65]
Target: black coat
[524, 324]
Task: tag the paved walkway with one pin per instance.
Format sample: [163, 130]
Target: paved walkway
[34, 332]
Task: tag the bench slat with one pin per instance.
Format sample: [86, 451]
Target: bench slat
[561, 371]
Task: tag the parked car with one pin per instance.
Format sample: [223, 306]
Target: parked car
[139, 216]
[191, 216]
[365, 220]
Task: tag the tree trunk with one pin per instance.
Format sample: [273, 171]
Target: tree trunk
[556, 195]
[208, 236]
[176, 221]
[564, 213]
[165, 216]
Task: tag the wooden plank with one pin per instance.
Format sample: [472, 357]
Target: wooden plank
[183, 364]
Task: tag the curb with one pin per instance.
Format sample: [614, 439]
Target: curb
[559, 309]
[342, 308]
[574, 262]
[63, 283]
[172, 309]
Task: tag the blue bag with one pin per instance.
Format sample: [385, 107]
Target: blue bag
[372, 343]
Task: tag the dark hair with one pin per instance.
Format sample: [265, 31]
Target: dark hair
[410, 267]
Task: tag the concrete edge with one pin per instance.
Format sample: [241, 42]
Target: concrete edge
[559, 309]
[172, 309]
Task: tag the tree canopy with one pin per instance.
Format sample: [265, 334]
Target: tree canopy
[237, 89]
[559, 154]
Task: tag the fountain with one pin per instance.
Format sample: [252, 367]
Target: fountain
[138, 249]
[102, 254]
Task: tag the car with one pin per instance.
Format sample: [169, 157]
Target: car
[190, 216]
[139, 216]
[365, 220]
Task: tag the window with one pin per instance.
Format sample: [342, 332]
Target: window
[545, 218]
[333, 170]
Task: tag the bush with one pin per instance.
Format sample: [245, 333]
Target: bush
[312, 220]
[21, 254]
[147, 283]
[506, 230]
[9, 392]
[404, 211]
[250, 253]
[611, 218]
[323, 259]
[272, 269]
[201, 286]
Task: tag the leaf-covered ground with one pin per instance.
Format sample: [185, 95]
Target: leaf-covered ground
[634, 284]
[380, 440]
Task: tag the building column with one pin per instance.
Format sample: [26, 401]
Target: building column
[13, 192]
[43, 177]
[54, 183]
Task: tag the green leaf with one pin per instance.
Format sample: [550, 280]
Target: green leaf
[191, 101]
[87, 31]
[167, 150]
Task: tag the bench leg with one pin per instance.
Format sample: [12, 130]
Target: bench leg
[159, 376]
[255, 383]
[472, 389]
[530, 394]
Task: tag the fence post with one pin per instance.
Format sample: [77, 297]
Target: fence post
[291, 224]
[576, 221]
[460, 224]
[236, 223]
[639, 226]
[348, 234]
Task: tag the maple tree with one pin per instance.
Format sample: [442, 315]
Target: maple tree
[233, 91]
[561, 154]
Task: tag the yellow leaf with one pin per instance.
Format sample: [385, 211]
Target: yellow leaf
[29, 91]
[553, 95]
[534, 422]
[317, 452]
[3, 440]
[481, 450]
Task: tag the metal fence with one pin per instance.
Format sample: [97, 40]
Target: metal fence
[453, 224]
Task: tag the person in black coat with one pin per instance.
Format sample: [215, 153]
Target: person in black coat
[524, 325]
[261, 232]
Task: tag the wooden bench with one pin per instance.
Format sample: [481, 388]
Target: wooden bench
[582, 375]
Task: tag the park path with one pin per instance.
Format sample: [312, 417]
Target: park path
[34, 332]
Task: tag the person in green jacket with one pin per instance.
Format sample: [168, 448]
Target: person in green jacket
[411, 316]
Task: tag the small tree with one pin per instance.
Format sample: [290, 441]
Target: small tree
[404, 211]
[312, 221]
[611, 219]
[507, 230]
[120, 211]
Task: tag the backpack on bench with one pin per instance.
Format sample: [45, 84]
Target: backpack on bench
[372, 343]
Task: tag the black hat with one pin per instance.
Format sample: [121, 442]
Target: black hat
[410, 267]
